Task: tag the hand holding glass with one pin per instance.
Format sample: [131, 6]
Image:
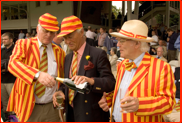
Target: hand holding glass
[60, 100]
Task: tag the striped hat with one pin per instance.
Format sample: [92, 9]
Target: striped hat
[49, 22]
[69, 25]
[135, 30]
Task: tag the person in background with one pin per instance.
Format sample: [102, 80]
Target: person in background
[105, 49]
[113, 58]
[90, 34]
[160, 52]
[151, 51]
[35, 62]
[144, 89]
[162, 44]
[177, 46]
[7, 79]
[94, 70]
[21, 35]
[28, 35]
[154, 36]
[172, 36]
[109, 41]
[102, 37]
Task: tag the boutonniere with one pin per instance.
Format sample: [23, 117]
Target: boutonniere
[90, 64]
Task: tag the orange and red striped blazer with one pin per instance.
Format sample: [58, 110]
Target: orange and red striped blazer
[24, 63]
[153, 84]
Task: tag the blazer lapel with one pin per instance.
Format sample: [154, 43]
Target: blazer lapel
[36, 52]
[120, 74]
[141, 72]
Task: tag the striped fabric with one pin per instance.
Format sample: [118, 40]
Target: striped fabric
[74, 70]
[24, 64]
[177, 106]
[130, 65]
[40, 89]
[153, 85]
[69, 25]
[49, 22]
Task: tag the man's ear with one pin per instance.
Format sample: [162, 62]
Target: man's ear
[11, 40]
[138, 44]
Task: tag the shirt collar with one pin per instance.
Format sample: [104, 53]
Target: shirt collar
[40, 44]
[138, 59]
[80, 51]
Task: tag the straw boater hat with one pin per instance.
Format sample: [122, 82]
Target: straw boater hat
[135, 30]
[69, 25]
[49, 22]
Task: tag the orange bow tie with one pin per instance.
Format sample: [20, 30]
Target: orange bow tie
[129, 66]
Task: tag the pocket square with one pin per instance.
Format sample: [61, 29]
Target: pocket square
[89, 66]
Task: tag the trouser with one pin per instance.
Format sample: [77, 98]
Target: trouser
[5, 93]
[44, 113]
[171, 55]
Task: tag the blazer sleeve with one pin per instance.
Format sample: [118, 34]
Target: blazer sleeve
[17, 64]
[164, 100]
[106, 81]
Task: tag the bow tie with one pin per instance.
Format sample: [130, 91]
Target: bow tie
[129, 66]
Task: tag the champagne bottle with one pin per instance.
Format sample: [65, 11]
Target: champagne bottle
[81, 88]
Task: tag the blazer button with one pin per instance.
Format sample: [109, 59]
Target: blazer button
[86, 113]
[85, 101]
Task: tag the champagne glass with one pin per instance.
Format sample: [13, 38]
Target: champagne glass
[60, 101]
[120, 97]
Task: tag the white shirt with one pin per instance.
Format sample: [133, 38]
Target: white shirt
[155, 39]
[52, 70]
[90, 34]
[21, 36]
[125, 82]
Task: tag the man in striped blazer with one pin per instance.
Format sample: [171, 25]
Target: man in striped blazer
[145, 88]
[35, 62]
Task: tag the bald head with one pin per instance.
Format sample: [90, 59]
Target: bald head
[160, 51]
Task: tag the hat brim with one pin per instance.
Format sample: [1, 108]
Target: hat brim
[51, 28]
[116, 34]
[61, 34]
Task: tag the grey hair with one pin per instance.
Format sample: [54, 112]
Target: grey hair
[144, 47]
[39, 26]
[79, 30]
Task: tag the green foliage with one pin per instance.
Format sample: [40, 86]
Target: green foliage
[116, 11]
[174, 20]
[159, 18]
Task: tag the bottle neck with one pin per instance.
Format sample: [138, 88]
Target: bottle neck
[59, 79]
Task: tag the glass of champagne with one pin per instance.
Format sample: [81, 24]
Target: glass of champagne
[120, 96]
[60, 101]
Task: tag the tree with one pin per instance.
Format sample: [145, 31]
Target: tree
[116, 11]
[174, 20]
[159, 18]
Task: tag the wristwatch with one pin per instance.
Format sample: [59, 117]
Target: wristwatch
[37, 75]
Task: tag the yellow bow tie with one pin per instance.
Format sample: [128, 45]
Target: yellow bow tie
[129, 66]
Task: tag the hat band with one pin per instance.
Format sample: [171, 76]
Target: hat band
[130, 34]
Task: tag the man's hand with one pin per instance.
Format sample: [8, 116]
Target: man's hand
[103, 103]
[54, 97]
[81, 79]
[168, 39]
[46, 80]
[129, 104]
